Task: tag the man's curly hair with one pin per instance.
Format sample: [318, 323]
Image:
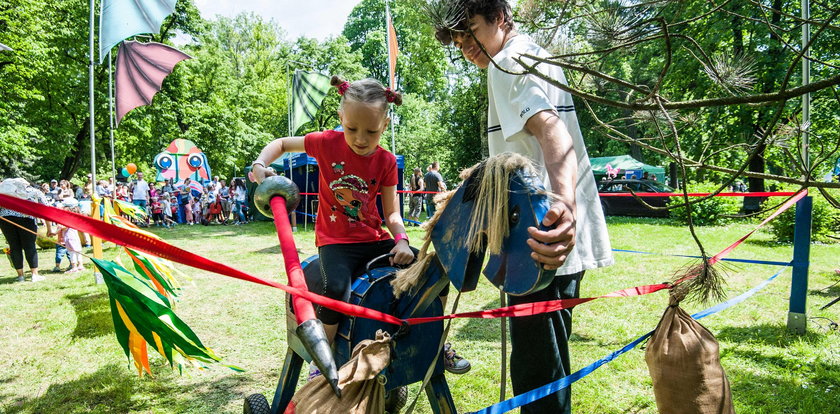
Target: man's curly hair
[452, 16]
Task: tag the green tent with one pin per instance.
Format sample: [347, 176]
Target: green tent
[624, 163]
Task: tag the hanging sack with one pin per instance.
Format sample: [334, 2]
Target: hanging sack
[683, 358]
[361, 390]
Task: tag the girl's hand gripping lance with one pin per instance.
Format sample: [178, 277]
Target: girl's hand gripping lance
[275, 197]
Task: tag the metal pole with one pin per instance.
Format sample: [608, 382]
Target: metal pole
[111, 117]
[97, 276]
[801, 252]
[289, 124]
[390, 73]
[806, 79]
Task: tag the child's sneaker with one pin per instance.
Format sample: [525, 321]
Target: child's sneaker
[453, 362]
[56, 270]
[38, 278]
[20, 279]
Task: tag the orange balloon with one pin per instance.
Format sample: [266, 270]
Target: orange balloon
[131, 168]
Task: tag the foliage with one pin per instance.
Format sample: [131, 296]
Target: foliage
[710, 212]
[825, 222]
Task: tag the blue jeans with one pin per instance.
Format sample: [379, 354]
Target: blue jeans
[59, 252]
[430, 206]
[237, 208]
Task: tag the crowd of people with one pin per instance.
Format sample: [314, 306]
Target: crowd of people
[164, 204]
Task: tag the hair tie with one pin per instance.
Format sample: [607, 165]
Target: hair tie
[343, 87]
[390, 96]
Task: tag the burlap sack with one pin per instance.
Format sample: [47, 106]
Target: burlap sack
[684, 362]
[361, 391]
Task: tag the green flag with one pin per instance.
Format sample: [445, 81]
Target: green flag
[308, 91]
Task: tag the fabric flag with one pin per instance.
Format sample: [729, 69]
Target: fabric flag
[308, 91]
[121, 19]
[393, 49]
[141, 69]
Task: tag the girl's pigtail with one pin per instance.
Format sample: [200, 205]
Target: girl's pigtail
[393, 96]
[341, 84]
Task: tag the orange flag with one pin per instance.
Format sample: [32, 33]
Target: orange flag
[392, 49]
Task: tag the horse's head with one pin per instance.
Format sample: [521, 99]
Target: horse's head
[490, 214]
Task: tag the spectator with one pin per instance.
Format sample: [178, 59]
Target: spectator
[415, 204]
[70, 238]
[433, 182]
[21, 242]
[54, 190]
[240, 199]
[64, 190]
[653, 177]
[102, 189]
[224, 196]
[168, 187]
[645, 175]
[167, 209]
[140, 195]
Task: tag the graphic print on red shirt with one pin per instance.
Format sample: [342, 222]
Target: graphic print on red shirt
[347, 187]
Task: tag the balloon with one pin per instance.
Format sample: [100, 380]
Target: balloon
[125, 172]
[131, 168]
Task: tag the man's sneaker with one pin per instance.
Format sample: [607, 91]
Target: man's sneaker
[38, 278]
[20, 279]
[453, 362]
[56, 270]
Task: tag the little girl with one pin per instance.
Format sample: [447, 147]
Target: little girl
[188, 209]
[70, 237]
[348, 230]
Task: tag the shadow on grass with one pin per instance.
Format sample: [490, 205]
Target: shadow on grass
[93, 315]
[117, 389]
[766, 334]
[830, 291]
[769, 390]
[8, 280]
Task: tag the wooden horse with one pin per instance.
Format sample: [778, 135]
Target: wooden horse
[488, 214]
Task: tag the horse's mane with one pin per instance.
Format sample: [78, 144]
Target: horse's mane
[490, 179]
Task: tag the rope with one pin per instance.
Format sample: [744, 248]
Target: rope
[551, 388]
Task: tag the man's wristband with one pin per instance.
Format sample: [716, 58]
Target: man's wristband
[401, 236]
[258, 162]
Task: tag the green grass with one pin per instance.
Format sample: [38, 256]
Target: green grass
[58, 352]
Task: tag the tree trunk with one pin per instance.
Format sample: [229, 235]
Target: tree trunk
[74, 160]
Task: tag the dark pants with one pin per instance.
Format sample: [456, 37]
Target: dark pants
[21, 242]
[540, 346]
[339, 263]
[430, 206]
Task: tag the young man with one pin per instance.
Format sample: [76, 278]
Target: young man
[528, 116]
[140, 195]
[433, 181]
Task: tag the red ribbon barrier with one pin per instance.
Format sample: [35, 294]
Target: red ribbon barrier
[165, 250]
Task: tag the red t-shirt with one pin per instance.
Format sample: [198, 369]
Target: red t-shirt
[347, 187]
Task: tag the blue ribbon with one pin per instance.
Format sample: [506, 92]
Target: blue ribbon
[551, 388]
[767, 262]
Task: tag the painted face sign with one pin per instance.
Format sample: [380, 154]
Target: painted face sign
[182, 160]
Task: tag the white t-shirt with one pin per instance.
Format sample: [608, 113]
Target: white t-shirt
[141, 190]
[513, 100]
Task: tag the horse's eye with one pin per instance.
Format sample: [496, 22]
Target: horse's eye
[514, 216]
